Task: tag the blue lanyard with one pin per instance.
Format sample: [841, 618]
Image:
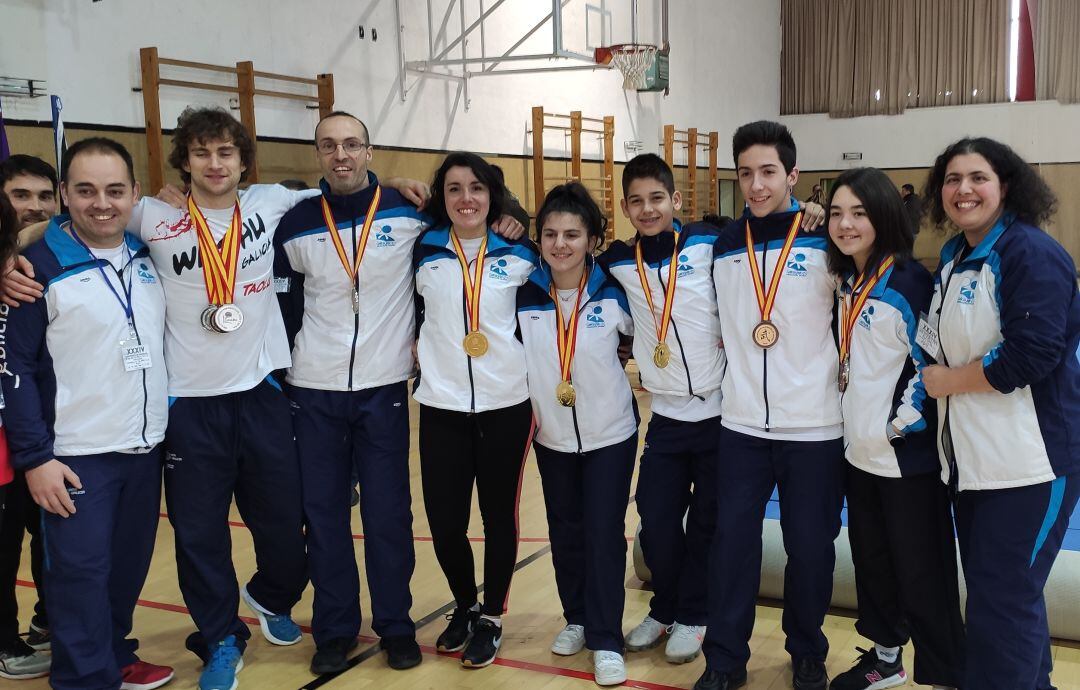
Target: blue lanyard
[129, 311]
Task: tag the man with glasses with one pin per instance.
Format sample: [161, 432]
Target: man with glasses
[345, 261]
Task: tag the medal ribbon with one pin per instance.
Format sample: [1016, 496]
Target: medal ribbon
[669, 294]
[860, 292]
[765, 301]
[566, 334]
[219, 266]
[471, 286]
[352, 269]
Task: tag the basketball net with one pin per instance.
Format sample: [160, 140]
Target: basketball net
[633, 61]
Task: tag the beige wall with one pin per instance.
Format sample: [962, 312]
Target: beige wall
[1063, 178]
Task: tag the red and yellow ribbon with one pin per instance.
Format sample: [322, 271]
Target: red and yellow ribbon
[353, 268]
[854, 302]
[766, 300]
[664, 323]
[566, 333]
[219, 265]
[471, 286]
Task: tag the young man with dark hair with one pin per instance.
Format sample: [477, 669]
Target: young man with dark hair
[782, 426]
[30, 186]
[92, 462]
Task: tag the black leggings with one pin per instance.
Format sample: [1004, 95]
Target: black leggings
[458, 450]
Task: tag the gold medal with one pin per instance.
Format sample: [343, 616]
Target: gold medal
[766, 334]
[475, 344]
[565, 394]
[851, 306]
[661, 355]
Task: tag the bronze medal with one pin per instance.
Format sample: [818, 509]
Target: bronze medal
[766, 334]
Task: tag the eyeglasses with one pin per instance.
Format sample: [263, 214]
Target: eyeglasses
[352, 146]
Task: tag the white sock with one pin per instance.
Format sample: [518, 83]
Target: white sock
[475, 607]
[497, 620]
[887, 654]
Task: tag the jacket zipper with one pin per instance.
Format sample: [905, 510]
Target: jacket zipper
[764, 352]
[356, 316]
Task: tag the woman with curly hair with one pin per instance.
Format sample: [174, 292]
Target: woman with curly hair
[1004, 329]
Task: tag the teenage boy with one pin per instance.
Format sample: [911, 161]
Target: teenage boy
[782, 426]
[88, 437]
[31, 187]
[666, 272]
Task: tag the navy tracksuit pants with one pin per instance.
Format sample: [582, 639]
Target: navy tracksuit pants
[237, 443]
[586, 495]
[678, 472]
[1009, 539]
[338, 432]
[96, 562]
[809, 476]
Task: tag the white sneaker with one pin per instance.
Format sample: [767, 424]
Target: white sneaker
[684, 643]
[646, 635]
[570, 640]
[608, 668]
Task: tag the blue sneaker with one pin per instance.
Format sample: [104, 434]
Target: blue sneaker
[220, 672]
[278, 629]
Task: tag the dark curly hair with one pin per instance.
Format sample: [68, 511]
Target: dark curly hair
[884, 208]
[1026, 193]
[200, 125]
[573, 198]
[485, 172]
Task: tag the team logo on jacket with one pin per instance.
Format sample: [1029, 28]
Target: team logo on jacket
[594, 319]
[967, 292]
[145, 276]
[383, 237]
[796, 265]
[685, 269]
[498, 270]
[865, 317]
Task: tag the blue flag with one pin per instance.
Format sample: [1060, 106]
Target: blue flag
[60, 143]
[5, 151]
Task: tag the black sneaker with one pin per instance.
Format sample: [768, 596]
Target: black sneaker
[720, 680]
[483, 646]
[39, 638]
[871, 673]
[810, 675]
[332, 656]
[401, 652]
[456, 635]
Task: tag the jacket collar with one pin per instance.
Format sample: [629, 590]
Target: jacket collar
[355, 204]
[69, 252]
[541, 277]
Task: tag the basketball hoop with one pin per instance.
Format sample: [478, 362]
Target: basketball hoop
[632, 59]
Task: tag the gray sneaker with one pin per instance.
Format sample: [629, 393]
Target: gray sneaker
[23, 662]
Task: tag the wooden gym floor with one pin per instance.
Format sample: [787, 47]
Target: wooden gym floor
[525, 661]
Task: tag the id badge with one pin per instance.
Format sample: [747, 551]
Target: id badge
[927, 337]
[282, 285]
[136, 356]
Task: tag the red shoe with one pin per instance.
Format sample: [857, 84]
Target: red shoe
[144, 676]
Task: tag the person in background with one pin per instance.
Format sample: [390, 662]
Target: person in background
[913, 207]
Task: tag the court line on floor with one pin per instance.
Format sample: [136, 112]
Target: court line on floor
[177, 608]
